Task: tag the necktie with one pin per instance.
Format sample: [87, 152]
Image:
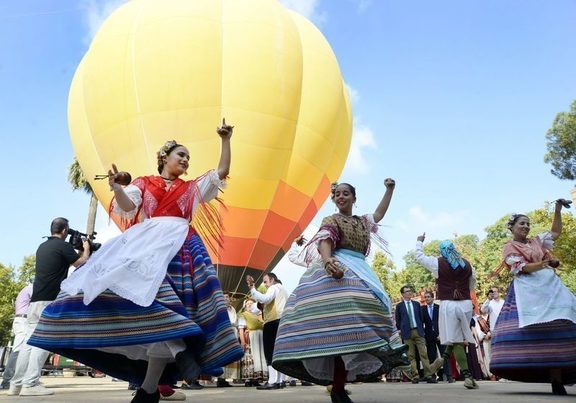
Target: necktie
[409, 308]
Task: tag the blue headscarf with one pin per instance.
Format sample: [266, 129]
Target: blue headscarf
[449, 252]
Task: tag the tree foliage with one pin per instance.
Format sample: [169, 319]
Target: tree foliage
[11, 282]
[561, 144]
[486, 255]
[77, 179]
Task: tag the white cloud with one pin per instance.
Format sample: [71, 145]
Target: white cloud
[363, 5]
[308, 8]
[96, 12]
[442, 219]
[354, 95]
[362, 140]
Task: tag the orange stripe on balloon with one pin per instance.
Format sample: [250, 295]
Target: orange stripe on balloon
[242, 222]
[276, 228]
[289, 202]
[322, 192]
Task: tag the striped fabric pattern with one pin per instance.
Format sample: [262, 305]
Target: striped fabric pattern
[189, 305]
[324, 318]
[526, 354]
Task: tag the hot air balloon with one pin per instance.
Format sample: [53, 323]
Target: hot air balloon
[171, 69]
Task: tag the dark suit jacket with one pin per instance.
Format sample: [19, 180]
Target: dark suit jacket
[431, 330]
[403, 320]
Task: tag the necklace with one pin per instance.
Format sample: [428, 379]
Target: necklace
[167, 179]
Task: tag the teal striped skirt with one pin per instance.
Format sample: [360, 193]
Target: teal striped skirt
[326, 318]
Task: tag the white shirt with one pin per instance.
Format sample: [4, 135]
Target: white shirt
[431, 264]
[492, 308]
[276, 293]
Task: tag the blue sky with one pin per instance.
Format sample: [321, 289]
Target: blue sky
[450, 98]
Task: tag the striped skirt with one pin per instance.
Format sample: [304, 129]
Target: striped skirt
[115, 335]
[325, 318]
[527, 354]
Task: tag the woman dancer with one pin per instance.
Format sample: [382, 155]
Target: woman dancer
[534, 339]
[337, 323]
[250, 325]
[148, 307]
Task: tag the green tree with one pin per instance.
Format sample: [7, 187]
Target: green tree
[8, 292]
[27, 270]
[384, 268]
[561, 143]
[78, 181]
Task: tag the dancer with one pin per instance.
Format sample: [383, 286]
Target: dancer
[455, 279]
[250, 325]
[148, 308]
[534, 339]
[337, 323]
[274, 301]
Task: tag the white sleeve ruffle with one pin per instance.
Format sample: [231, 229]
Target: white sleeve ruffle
[547, 241]
[516, 263]
[209, 184]
[135, 195]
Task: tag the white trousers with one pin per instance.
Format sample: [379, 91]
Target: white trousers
[30, 359]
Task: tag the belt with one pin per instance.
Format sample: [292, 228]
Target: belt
[20, 315]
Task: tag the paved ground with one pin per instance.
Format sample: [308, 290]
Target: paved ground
[103, 390]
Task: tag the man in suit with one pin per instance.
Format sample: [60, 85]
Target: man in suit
[430, 313]
[410, 324]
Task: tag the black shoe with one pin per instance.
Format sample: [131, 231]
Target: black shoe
[431, 379]
[558, 389]
[221, 383]
[415, 381]
[282, 384]
[268, 386]
[293, 382]
[451, 380]
[142, 397]
[304, 383]
[340, 397]
[255, 383]
[192, 386]
[188, 367]
[132, 386]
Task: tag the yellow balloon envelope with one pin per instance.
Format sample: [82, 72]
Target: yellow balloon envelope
[171, 69]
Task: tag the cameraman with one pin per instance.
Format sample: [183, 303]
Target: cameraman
[53, 259]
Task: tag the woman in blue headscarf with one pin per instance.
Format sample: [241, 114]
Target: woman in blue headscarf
[455, 279]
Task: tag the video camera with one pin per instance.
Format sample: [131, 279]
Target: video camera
[76, 240]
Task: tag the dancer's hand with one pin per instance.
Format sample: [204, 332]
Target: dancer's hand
[249, 281]
[225, 131]
[422, 237]
[332, 267]
[300, 240]
[113, 176]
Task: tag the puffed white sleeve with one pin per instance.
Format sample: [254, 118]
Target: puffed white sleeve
[547, 240]
[209, 184]
[429, 262]
[135, 195]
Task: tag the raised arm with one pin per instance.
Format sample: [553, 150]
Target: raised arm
[556, 229]
[225, 133]
[429, 262]
[120, 195]
[385, 202]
